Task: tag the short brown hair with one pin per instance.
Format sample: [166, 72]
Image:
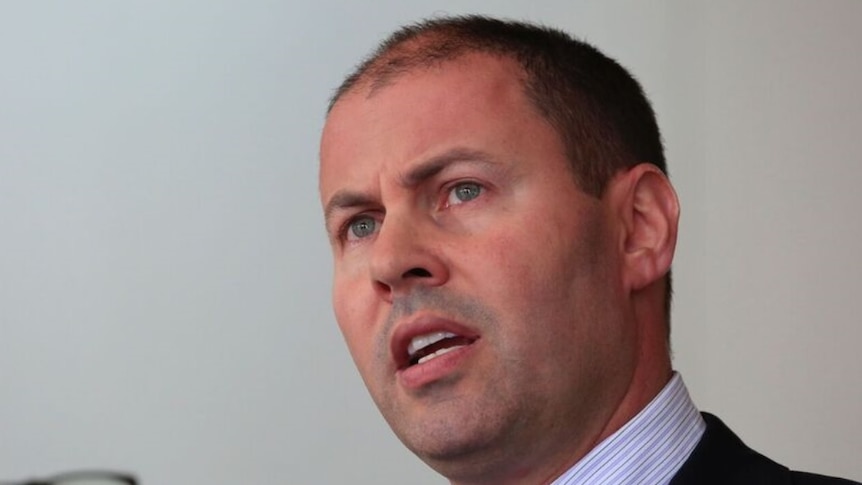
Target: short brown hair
[597, 107]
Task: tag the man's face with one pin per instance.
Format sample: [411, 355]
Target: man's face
[476, 286]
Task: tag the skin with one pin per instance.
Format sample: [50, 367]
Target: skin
[449, 202]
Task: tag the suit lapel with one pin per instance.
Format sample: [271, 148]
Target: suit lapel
[722, 458]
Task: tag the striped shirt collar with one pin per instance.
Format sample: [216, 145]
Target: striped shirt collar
[649, 449]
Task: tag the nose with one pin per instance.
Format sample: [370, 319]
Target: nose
[406, 255]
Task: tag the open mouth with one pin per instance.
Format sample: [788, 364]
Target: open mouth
[426, 347]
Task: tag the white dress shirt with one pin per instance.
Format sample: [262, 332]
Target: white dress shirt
[649, 449]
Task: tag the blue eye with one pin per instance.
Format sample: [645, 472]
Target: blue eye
[361, 227]
[464, 192]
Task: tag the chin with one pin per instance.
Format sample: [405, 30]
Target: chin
[458, 442]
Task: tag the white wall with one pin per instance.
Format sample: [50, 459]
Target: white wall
[164, 273]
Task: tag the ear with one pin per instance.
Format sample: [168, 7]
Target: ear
[648, 210]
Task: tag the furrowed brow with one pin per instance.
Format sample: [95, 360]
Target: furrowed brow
[434, 165]
[347, 199]
[342, 200]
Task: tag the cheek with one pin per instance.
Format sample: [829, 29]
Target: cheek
[533, 262]
[548, 276]
[350, 291]
[353, 317]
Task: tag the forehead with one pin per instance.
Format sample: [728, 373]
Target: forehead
[475, 102]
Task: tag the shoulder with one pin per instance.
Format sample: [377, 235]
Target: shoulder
[722, 458]
[803, 478]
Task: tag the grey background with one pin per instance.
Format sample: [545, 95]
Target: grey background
[164, 273]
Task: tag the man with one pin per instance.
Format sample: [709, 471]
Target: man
[503, 229]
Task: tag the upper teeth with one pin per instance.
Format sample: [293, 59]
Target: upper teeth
[422, 341]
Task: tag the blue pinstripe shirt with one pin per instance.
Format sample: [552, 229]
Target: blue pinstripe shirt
[649, 449]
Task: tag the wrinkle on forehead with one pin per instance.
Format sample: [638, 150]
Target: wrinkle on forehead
[359, 113]
[396, 66]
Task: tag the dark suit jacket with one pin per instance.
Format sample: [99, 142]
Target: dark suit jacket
[721, 458]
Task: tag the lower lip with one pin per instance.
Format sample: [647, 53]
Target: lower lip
[420, 375]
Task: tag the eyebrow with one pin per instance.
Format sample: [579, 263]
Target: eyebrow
[345, 199]
[434, 165]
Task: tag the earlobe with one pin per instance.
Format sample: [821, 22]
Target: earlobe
[650, 212]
